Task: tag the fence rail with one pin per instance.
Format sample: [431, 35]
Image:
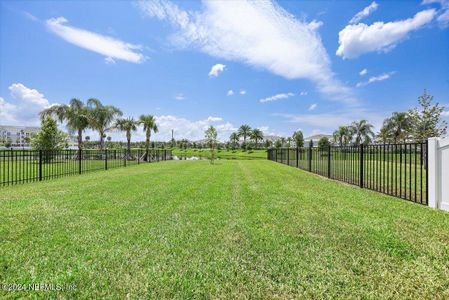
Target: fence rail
[398, 170]
[22, 166]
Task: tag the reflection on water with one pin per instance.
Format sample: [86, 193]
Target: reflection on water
[175, 157]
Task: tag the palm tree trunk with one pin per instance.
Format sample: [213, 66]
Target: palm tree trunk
[128, 137]
[147, 144]
[101, 140]
[80, 139]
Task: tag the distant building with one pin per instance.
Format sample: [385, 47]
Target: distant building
[18, 136]
[315, 138]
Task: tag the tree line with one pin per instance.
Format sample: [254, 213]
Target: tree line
[79, 116]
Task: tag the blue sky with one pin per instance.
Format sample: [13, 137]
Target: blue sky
[289, 64]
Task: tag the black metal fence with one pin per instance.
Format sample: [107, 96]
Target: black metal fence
[398, 170]
[21, 166]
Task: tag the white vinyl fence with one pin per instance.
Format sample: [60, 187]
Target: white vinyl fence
[439, 173]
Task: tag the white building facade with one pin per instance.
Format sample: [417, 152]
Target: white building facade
[17, 136]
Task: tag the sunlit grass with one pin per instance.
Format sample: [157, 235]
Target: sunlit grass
[236, 229]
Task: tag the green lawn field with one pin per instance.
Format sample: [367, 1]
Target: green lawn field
[229, 154]
[237, 229]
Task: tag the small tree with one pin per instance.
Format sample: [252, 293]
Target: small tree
[426, 120]
[323, 143]
[211, 137]
[49, 138]
[299, 139]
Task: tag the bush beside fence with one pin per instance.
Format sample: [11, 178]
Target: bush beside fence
[398, 170]
[21, 166]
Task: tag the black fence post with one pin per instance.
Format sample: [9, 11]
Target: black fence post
[329, 162]
[361, 165]
[106, 159]
[40, 165]
[138, 156]
[79, 160]
[288, 156]
[125, 157]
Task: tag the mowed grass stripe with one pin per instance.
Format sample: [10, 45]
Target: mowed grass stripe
[236, 229]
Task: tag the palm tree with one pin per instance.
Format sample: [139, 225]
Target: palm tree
[101, 117]
[398, 126]
[128, 125]
[234, 139]
[257, 135]
[343, 135]
[244, 131]
[383, 136]
[149, 124]
[75, 115]
[363, 132]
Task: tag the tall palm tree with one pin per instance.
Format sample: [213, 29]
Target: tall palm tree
[101, 117]
[398, 126]
[128, 125]
[257, 135]
[244, 131]
[363, 132]
[343, 135]
[149, 124]
[75, 115]
[234, 139]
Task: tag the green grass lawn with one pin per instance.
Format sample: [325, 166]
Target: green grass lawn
[230, 154]
[237, 229]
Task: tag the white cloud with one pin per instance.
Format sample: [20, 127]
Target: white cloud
[303, 93]
[313, 106]
[364, 13]
[445, 113]
[191, 130]
[242, 92]
[110, 47]
[331, 120]
[363, 72]
[276, 97]
[372, 79]
[443, 17]
[355, 40]
[315, 25]
[260, 34]
[230, 93]
[216, 70]
[214, 119]
[28, 103]
[180, 97]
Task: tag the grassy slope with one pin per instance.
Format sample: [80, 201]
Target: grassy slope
[221, 153]
[239, 228]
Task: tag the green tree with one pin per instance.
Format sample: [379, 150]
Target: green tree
[211, 138]
[268, 144]
[398, 127]
[101, 117]
[324, 143]
[363, 132]
[128, 125]
[257, 135]
[149, 125]
[298, 137]
[234, 139]
[289, 141]
[75, 115]
[343, 135]
[49, 138]
[426, 120]
[244, 131]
